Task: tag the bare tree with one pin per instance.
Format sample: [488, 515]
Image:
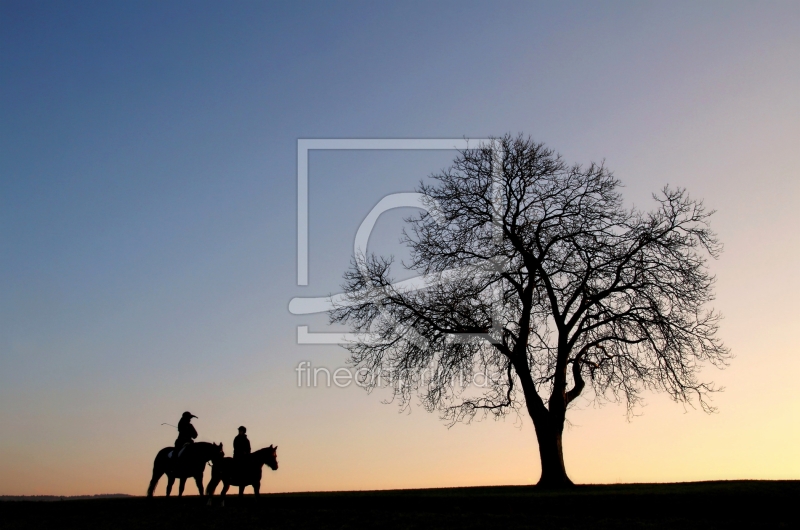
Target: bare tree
[537, 278]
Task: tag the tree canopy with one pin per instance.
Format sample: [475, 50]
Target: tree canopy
[537, 277]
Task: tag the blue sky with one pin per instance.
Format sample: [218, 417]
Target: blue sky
[148, 209]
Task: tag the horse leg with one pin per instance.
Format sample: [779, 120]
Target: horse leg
[153, 482]
[222, 493]
[212, 485]
[181, 486]
[241, 490]
[199, 481]
[170, 482]
[257, 488]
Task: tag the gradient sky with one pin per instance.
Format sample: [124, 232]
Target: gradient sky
[148, 223]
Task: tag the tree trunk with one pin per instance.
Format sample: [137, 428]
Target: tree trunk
[554, 474]
[549, 425]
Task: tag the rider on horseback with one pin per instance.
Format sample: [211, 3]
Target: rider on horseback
[186, 431]
[241, 445]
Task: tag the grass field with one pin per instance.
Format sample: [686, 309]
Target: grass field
[707, 505]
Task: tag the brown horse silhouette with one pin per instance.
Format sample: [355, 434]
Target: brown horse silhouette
[241, 472]
[191, 463]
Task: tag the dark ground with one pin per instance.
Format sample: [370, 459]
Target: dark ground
[707, 505]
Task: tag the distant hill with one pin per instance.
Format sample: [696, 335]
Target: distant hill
[49, 498]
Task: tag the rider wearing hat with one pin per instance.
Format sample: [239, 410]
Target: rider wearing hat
[241, 445]
[186, 431]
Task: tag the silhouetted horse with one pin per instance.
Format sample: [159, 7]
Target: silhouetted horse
[242, 473]
[191, 463]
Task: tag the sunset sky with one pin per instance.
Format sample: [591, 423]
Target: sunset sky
[148, 223]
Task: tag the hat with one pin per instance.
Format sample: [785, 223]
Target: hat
[188, 414]
[242, 428]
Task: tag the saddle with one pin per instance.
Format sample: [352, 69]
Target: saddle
[169, 455]
[242, 468]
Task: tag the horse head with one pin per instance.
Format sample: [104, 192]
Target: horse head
[271, 457]
[217, 453]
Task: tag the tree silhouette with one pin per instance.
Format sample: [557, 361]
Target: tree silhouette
[537, 278]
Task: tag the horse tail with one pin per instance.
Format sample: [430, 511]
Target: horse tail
[159, 468]
[154, 481]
